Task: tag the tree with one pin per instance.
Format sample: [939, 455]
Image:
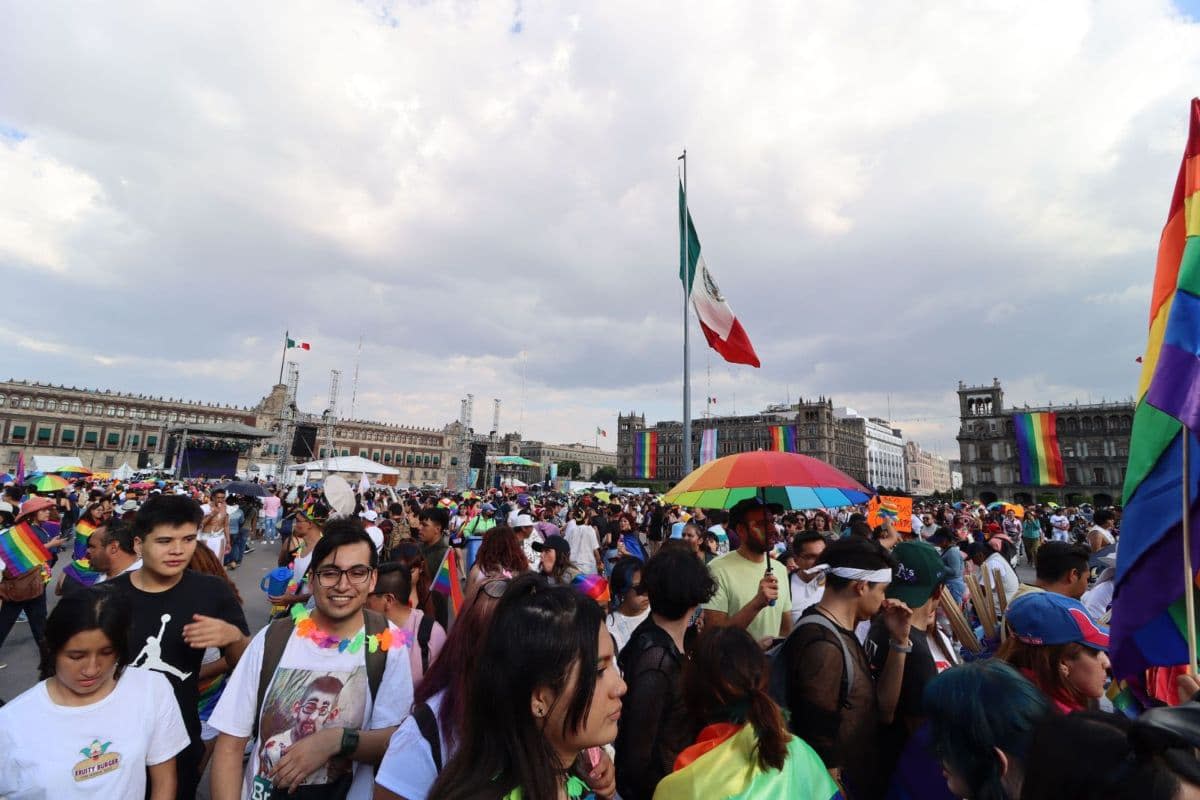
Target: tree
[569, 468]
[605, 475]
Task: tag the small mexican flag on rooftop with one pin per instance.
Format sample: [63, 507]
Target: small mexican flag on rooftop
[294, 343]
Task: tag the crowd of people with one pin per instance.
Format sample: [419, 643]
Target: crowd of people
[509, 644]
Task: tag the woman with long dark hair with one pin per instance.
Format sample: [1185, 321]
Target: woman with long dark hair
[752, 753]
[544, 690]
[91, 726]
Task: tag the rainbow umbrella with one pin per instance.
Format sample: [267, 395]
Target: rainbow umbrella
[789, 480]
[73, 472]
[48, 483]
[6, 478]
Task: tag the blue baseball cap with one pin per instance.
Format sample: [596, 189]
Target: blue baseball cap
[1046, 618]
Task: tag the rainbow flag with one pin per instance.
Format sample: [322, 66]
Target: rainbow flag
[1148, 619]
[645, 454]
[1037, 449]
[594, 586]
[708, 445]
[447, 581]
[783, 439]
[724, 763]
[210, 693]
[22, 550]
[80, 570]
[83, 530]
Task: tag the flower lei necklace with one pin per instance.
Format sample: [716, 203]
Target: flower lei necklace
[307, 629]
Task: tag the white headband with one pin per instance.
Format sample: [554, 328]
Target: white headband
[852, 574]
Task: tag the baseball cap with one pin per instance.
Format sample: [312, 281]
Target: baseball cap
[523, 521]
[1046, 618]
[370, 515]
[919, 572]
[555, 543]
[488, 508]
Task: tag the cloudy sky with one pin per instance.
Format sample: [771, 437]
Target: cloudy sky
[892, 196]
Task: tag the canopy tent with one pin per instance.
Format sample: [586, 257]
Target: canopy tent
[513, 461]
[123, 472]
[345, 466]
[51, 463]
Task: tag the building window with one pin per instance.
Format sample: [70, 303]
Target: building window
[91, 437]
[362, 453]
[67, 436]
[39, 404]
[52, 405]
[1068, 450]
[74, 408]
[113, 439]
[24, 402]
[375, 456]
[1101, 478]
[3, 400]
[134, 440]
[151, 440]
[110, 461]
[18, 432]
[345, 452]
[43, 434]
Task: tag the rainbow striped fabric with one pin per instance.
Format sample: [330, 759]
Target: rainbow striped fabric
[645, 454]
[447, 581]
[1037, 449]
[708, 445]
[1148, 617]
[594, 586]
[783, 439]
[22, 550]
[83, 530]
[80, 570]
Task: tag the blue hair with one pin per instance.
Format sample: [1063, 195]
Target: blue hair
[621, 580]
[979, 706]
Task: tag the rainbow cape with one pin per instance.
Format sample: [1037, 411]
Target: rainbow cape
[645, 454]
[80, 570]
[1037, 449]
[783, 439]
[448, 582]
[1148, 617]
[22, 550]
[727, 767]
[83, 530]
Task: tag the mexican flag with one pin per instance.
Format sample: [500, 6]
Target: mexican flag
[721, 327]
[294, 343]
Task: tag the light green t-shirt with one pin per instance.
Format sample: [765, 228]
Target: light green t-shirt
[737, 582]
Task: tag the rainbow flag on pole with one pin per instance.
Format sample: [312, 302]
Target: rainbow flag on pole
[448, 580]
[83, 531]
[708, 446]
[1149, 622]
[645, 454]
[783, 439]
[22, 550]
[1037, 449]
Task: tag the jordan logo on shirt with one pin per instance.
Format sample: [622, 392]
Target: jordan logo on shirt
[151, 655]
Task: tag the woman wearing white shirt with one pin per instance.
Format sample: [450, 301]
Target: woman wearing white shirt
[91, 727]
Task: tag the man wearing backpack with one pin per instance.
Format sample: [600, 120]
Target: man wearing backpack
[834, 701]
[315, 737]
[393, 586]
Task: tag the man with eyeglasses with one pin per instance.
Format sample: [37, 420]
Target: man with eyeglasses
[330, 754]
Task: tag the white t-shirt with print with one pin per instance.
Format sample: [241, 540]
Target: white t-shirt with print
[98, 750]
[407, 768]
[313, 688]
[584, 544]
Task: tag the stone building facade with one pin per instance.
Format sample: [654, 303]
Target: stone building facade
[1093, 439]
[105, 429]
[926, 472]
[589, 457]
[819, 434]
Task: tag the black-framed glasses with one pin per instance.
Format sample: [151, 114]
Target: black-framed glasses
[329, 577]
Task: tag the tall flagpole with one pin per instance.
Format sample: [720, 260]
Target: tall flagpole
[687, 287]
[1189, 586]
[284, 356]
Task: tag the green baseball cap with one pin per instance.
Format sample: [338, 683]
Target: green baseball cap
[920, 572]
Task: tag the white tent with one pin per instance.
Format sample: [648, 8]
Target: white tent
[123, 472]
[350, 467]
[51, 463]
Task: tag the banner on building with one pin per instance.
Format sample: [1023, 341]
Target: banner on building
[708, 446]
[783, 438]
[645, 455]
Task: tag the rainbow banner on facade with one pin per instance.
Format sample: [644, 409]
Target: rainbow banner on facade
[783, 439]
[1149, 618]
[1037, 449]
[22, 550]
[645, 454]
[83, 531]
[708, 445]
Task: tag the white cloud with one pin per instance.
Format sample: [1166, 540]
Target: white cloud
[892, 197]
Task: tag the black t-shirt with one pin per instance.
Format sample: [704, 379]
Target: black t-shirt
[919, 669]
[156, 636]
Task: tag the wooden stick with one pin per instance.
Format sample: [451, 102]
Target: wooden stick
[987, 617]
[958, 623]
[1002, 602]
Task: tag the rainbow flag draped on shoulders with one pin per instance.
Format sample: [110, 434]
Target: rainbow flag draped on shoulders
[1037, 449]
[723, 764]
[83, 531]
[1148, 619]
[448, 580]
[22, 550]
[80, 570]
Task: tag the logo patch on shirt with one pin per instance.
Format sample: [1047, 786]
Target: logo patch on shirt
[97, 761]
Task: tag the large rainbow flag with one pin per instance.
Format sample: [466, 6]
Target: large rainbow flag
[1037, 449]
[22, 550]
[724, 763]
[1148, 619]
[783, 438]
[645, 454]
[83, 530]
[447, 581]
